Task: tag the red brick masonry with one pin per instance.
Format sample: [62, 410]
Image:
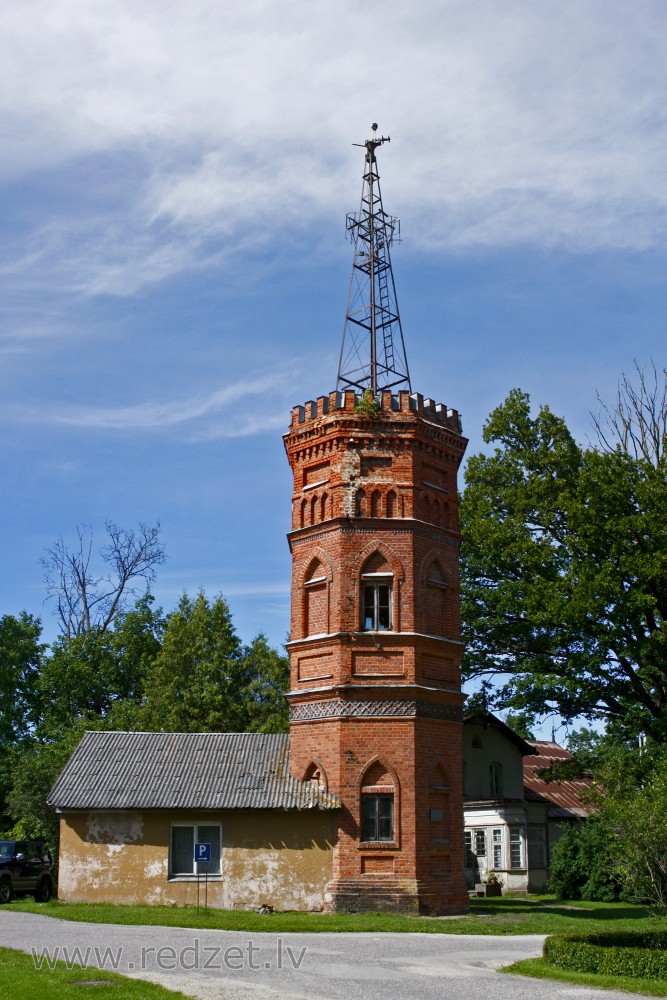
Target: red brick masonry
[379, 711]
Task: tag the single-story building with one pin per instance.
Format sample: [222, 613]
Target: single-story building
[132, 806]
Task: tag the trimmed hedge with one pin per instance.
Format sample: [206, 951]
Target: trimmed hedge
[639, 954]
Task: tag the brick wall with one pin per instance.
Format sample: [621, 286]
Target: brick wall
[374, 508]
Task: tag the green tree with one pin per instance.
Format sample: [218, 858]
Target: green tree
[621, 850]
[20, 657]
[564, 573]
[196, 680]
[268, 678]
[638, 821]
[204, 680]
[583, 863]
[99, 675]
[35, 767]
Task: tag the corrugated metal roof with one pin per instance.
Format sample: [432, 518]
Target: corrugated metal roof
[110, 770]
[563, 796]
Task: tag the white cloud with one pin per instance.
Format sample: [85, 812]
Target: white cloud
[513, 122]
[199, 417]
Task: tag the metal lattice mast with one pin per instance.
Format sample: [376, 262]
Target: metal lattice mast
[372, 354]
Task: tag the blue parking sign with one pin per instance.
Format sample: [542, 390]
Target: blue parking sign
[203, 853]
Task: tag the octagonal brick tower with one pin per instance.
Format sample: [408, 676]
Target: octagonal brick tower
[375, 697]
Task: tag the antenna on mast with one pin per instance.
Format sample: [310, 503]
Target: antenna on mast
[372, 354]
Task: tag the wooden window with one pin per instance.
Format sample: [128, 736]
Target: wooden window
[377, 817]
[495, 780]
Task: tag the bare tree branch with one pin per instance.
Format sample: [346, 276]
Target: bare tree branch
[637, 420]
[85, 601]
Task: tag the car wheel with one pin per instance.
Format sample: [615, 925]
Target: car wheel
[44, 891]
[5, 891]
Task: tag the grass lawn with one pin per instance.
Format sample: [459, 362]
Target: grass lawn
[506, 915]
[20, 978]
[539, 969]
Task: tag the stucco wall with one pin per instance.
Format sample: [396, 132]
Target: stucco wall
[283, 859]
[495, 748]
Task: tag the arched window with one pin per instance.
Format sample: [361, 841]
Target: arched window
[476, 743]
[304, 513]
[426, 505]
[376, 594]
[436, 511]
[324, 507]
[391, 504]
[360, 503]
[376, 504]
[446, 520]
[378, 802]
[313, 510]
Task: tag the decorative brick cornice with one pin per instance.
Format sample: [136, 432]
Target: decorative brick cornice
[339, 708]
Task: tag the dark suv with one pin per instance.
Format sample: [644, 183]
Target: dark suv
[25, 866]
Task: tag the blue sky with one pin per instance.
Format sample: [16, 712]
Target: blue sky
[174, 181]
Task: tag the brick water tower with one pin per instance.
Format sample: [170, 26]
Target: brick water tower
[375, 649]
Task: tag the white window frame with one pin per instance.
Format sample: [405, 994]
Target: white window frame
[195, 873]
[373, 582]
[517, 839]
[497, 848]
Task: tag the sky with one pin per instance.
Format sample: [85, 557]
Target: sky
[174, 182]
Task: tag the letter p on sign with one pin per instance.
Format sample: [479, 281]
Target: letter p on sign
[202, 853]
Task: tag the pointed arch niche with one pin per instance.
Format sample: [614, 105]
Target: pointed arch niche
[316, 775]
[315, 590]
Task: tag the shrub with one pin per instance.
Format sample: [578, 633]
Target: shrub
[582, 864]
[639, 954]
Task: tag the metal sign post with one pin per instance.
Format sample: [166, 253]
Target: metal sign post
[202, 857]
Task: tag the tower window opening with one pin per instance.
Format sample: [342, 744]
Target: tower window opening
[376, 613]
[377, 817]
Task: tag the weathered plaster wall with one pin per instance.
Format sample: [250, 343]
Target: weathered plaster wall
[283, 859]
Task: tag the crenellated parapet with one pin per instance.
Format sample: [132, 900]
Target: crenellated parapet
[395, 455]
[385, 402]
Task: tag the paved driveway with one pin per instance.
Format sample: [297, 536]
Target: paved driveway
[232, 965]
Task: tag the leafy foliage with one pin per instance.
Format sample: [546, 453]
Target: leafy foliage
[186, 671]
[582, 863]
[638, 821]
[204, 680]
[564, 573]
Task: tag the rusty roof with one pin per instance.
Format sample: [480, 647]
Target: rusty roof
[562, 797]
[114, 770]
